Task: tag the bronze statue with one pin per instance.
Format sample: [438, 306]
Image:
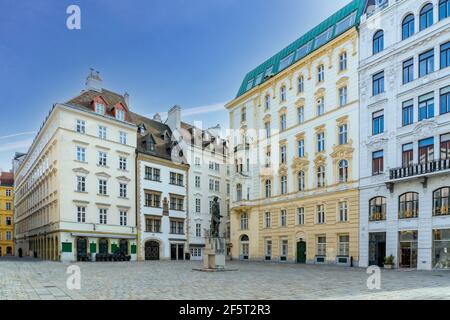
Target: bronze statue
[215, 218]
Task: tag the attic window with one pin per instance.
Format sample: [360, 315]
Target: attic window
[99, 108]
[345, 23]
[322, 38]
[258, 79]
[151, 145]
[303, 50]
[120, 114]
[141, 129]
[268, 72]
[286, 61]
[249, 84]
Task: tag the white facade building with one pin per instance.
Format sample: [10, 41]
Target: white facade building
[405, 133]
[207, 154]
[162, 186]
[75, 188]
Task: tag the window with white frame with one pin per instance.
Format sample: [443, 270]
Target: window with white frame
[102, 158]
[244, 221]
[343, 211]
[197, 181]
[81, 126]
[211, 184]
[81, 214]
[343, 134]
[99, 108]
[267, 220]
[301, 180]
[102, 187]
[268, 248]
[343, 171]
[122, 137]
[268, 188]
[301, 148]
[320, 214]
[102, 132]
[103, 216]
[81, 154]
[81, 184]
[120, 115]
[197, 161]
[217, 185]
[321, 246]
[301, 114]
[300, 84]
[343, 61]
[321, 142]
[197, 205]
[301, 216]
[122, 190]
[267, 102]
[152, 174]
[283, 122]
[283, 218]
[321, 177]
[283, 185]
[320, 73]
[198, 230]
[283, 93]
[320, 107]
[344, 245]
[123, 218]
[284, 249]
[122, 163]
[283, 154]
[343, 96]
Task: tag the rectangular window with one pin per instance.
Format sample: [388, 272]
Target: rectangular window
[197, 181]
[345, 23]
[122, 190]
[321, 246]
[249, 85]
[102, 158]
[445, 100]
[99, 108]
[152, 199]
[198, 230]
[407, 155]
[445, 54]
[123, 218]
[102, 132]
[344, 246]
[197, 161]
[320, 142]
[267, 128]
[343, 134]
[284, 250]
[8, 235]
[102, 187]
[320, 214]
[197, 205]
[342, 96]
[122, 163]
[120, 115]
[81, 154]
[320, 73]
[8, 206]
[258, 79]
[343, 211]
[320, 107]
[323, 38]
[283, 122]
[301, 148]
[81, 214]
[301, 216]
[176, 226]
[426, 63]
[152, 174]
[408, 113]
[426, 106]
[378, 83]
[267, 220]
[81, 126]
[81, 184]
[153, 225]
[268, 249]
[286, 62]
[408, 71]
[176, 203]
[8, 221]
[303, 50]
[343, 61]
[283, 154]
[378, 122]
[377, 162]
[283, 218]
[426, 150]
[267, 102]
[301, 114]
[445, 146]
[122, 137]
[103, 219]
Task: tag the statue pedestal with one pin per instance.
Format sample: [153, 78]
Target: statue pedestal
[214, 255]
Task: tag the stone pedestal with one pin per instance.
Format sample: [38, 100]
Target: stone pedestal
[214, 255]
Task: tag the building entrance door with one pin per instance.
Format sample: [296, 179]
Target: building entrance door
[301, 252]
[151, 250]
[408, 249]
[81, 248]
[377, 248]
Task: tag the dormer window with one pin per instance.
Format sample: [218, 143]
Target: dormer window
[141, 129]
[99, 108]
[120, 114]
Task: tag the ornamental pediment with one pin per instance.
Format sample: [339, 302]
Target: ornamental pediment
[319, 92]
[282, 170]
[342, 82]
[425, 129]
[80, 170]
[300, 163]
[300, 102]
[267, 118]
[320, 159]
[344, 151]
[342, 120]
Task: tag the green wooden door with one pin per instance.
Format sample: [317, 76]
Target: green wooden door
[301, 252]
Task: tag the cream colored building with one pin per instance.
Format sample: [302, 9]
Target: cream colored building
[75, 188]
[295, 124]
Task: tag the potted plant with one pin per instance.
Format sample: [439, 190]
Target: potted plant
[389, 262]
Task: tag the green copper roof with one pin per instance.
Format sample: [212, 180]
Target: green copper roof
[329, 29]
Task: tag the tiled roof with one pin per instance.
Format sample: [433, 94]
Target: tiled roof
[308, 43]
[202, 138]
[6, 179]
[85, 99]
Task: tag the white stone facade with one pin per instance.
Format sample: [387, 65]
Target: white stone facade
[400, 130]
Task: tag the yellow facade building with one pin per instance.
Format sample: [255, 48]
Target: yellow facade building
[6, 214]
[295, 127]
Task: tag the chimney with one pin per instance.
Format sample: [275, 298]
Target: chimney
[126, 98]
[174, 118]
[93, 81]
[157, 117]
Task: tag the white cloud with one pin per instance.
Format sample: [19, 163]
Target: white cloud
[16, 146]
[27, 133]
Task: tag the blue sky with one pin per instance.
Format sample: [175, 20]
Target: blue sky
[193, 53]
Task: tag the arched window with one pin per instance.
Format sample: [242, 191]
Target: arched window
[378, 42]
[244, 221]
[321, 176]
[377, 209]
[408, 26]
[441, 200]
[245, 245]
[408, 205]
[426, 16]
[238, 192]
[444, 9]
[300, 84]
[301, 180]
[268, 186]
[343, 171]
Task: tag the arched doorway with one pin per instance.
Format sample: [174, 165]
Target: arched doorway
[103, 246]
[245, 247]
[151, 250]
[123, 247]
[81, 248]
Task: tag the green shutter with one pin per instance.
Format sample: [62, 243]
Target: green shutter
[93, 247]
[114, 248]
[66, 247]
[133, 249]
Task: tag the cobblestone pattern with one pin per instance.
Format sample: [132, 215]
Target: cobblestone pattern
[31, 279]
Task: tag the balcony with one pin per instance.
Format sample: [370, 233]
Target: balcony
[420, 170]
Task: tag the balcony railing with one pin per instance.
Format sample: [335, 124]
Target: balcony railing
[419, 169]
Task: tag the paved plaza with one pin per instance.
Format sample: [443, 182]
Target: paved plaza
[34, 279]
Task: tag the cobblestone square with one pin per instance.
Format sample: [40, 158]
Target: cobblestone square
[34, 279]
